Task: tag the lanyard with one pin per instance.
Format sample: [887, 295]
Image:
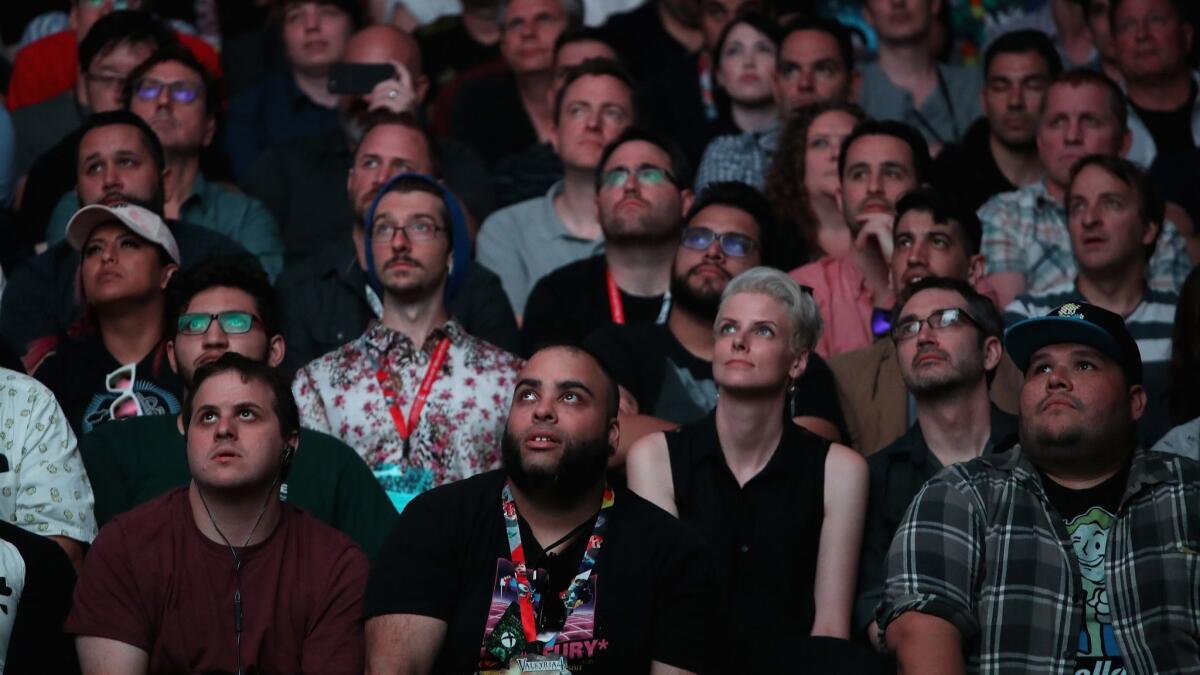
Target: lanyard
[414, 413]
[571, 598]
[616, 306]
[945, 93]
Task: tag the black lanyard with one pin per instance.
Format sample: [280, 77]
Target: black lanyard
[949, 100]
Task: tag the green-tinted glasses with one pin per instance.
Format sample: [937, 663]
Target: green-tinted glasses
[646, 175]
[233, 323]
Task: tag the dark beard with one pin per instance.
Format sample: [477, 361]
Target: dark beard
[1078, 451]
[582, 466]
[687, 298]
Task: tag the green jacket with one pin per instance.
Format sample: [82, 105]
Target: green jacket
[134, 460]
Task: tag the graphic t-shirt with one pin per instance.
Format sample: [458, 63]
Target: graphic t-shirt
[1089, 516]
[649, 598]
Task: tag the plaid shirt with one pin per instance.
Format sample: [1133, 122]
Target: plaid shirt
[741, 157]
[982, 548]
[1025, 231]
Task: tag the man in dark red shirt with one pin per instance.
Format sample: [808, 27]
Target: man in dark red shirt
[221, 576]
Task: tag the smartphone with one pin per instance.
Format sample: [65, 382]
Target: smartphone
[358, 78]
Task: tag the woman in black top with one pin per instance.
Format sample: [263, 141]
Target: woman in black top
[781, 509]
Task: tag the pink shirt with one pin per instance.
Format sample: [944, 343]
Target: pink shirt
[844, 300]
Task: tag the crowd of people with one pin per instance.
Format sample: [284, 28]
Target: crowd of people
[599, 336]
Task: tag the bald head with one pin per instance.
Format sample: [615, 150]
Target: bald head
[381, 44]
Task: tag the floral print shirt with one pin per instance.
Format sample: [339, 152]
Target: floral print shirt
[459, 430]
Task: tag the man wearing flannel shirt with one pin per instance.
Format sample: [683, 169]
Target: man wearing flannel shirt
[1075, 552]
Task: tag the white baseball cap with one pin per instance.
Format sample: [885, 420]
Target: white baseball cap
[143, 222]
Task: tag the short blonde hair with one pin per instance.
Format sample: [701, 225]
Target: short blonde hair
[803, 316]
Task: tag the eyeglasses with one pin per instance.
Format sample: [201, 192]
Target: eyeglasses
[120, 381]
[232, 323]
[418, 231]
[732, 243]
[117, 5]
[646, 175]
[939, 319]
[109, 81]
[148, 89]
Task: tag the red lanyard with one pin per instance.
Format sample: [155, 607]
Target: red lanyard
[615, 305]
[414, 414]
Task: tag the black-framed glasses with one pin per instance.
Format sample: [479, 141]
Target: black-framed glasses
[645, 175]
[939, 319]
[182, 91]
[418, 231]
[105, 80]
[232, 323]
[732, 243]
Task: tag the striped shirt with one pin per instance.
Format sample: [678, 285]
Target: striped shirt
[982, 547]
[1150, 323]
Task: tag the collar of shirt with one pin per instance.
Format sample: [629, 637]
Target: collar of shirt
[1149, 469]
[781, 462]
[380, 340]
[912, 448]
[200, 192]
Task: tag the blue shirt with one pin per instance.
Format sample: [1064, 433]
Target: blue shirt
[268, 113]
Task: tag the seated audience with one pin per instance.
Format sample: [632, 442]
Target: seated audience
[1065, 545]
[221, 576]
[418, 398]
[1115, 214]
[879, 162]
[543, 565]
[934, 236]
[815, 64]
[757, 488]
[35, 600]
[48, 67]
[1025, 237]
[526, 241]
[115, 368]
[906, 83]
[297, 103]
[803, 182]
[119, 160]
[180, 100]
[641, 196]
[328, 299]
[44, 492]
[999, 151]
[947, 342]
[217, 307]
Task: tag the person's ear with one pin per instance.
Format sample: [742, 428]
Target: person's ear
[1137, 402]
[855, 83]
[1126, 141]
[171, 356]
[976, 268]
[275, 351]
[993, 352]
[685, 200]
[168, 271]
[799, 365]
[210, 131]
[614, 436]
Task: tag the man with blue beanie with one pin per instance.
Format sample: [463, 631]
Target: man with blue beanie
[422, 401]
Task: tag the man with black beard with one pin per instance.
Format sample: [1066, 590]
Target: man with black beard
[542, 565]
[947, 341]
[641, 195]
[1072, 552]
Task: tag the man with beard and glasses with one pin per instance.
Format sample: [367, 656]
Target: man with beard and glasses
[119, 160]
[543, 565]
[180, 100]
[999, 152]
[947, 341]
[641, 196]
[420, 399]
[218, 307]
[666, 370]
[1073, 552]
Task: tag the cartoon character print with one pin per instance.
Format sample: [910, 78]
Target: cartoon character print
[1089, 535]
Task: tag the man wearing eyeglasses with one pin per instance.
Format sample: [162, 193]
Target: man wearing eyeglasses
[947, 340]
[641, 197]
[180, 99]
[421, 400]
[226, 305]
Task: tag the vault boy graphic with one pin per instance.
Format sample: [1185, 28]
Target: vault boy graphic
[1097, 644]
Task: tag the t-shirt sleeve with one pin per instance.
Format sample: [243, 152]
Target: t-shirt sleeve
[935, 558]
[544, 318]
[414, 572]
[334, 643]
[684, 618]
[108, 600]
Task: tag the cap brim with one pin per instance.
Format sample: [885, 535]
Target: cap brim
[80, 226]
[1024, 338]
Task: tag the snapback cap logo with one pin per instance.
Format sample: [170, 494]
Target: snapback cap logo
[1069, 310]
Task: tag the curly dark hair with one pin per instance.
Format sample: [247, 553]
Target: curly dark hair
[784, 184]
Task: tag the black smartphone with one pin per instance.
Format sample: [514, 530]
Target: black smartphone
[358, 78]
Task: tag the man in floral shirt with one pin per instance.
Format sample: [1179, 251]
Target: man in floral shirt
[421, 400]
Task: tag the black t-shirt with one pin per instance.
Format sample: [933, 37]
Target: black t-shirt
[650, 597]
[968, 169]
[1089, 515]
[1171, 129]
[571, 303]
[447, 50]
[764, 535]
[34, 602]
[487, 114]
[77, 370]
